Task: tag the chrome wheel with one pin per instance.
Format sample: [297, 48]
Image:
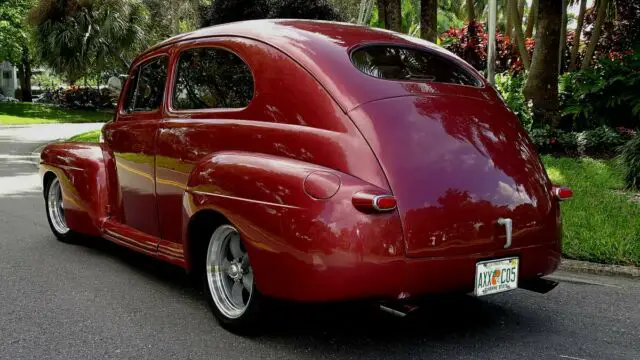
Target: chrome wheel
[55, 207]
[229, 273]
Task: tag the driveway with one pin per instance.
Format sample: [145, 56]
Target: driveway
[96, 300]
[17, 142]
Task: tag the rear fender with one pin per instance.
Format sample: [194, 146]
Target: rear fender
[300, 238]
[80, 168]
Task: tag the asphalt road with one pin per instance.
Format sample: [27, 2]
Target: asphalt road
[95, 300]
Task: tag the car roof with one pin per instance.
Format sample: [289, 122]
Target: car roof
[321, 47]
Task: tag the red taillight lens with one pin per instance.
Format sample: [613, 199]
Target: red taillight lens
[384, 203]
[369, 202]
[562, 193]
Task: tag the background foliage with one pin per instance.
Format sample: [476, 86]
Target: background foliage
[14, 30]
[83, 38]
[606, 94]
[220, 12]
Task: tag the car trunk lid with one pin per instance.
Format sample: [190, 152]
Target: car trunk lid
[456, 165]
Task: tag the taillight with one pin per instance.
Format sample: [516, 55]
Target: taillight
[562, 193]
[369, 202]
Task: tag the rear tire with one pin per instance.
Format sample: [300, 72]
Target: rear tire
[229, 286]
[54, 208]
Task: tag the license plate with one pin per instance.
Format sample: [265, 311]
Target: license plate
[495, 276]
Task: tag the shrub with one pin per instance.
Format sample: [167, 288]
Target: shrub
[602, 140]
[630, 155]
[599, 142]
[473, 49]
[80, 98]
[606, 94]
[510, 87]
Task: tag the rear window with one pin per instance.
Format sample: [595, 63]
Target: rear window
[408, 64]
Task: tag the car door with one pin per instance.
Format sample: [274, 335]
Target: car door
[210, 84]
[132, 140]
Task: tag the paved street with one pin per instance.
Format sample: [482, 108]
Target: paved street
[95, 300]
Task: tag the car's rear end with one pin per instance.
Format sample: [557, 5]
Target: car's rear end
[474, 203]
[477, 209]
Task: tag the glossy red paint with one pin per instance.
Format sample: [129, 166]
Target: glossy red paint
[298, 170]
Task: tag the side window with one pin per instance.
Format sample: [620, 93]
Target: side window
[210, 78]
[147, 86]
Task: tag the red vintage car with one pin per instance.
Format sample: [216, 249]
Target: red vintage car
[312, 161]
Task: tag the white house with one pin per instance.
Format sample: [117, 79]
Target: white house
[9, 79]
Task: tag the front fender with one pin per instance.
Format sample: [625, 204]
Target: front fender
[80, 167]
[305, 242]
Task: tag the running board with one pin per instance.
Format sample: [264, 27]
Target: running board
[539, 285]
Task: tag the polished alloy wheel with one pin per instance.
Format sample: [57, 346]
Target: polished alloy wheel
[229, 272]
[55, 207]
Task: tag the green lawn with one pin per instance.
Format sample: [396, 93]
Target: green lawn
[601, 221]
[91, 136]
[29, 113]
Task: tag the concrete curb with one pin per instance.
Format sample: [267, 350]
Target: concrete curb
[600, 269]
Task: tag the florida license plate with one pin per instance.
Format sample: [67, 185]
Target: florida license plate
[495, 276]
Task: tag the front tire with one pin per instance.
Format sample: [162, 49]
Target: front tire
[229, 283]
[55, 211]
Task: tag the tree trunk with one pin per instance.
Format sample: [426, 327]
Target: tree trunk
[519, 36]
[531, 19]
[382, 14]
[521, 10]
[563, 36]
[542, 83]
[429, 20]
[24, 70]
[471, 18]
[364, 12]
[393, 15]
[175, 17]
[471, 13]
[507, 17]
[595, 36]
[576, 37]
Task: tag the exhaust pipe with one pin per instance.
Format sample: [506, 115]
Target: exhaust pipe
[400, 310]
[539, 285]
[393, 312]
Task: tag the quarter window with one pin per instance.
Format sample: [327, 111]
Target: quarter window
[409, 64]
[147, 86]
[210, 78]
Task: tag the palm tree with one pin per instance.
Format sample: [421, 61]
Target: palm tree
[542, 83]
[508, 18]
[390, 13]
[429, 19]
[531, 18]
[78, 37]
[595, 37]
[563, 35]
[516, 20]
[364, 12]
[576, 36]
